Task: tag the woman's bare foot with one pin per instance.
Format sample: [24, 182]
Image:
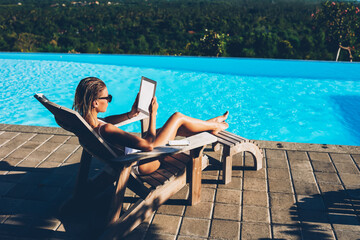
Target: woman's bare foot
[220, 118]
[221, 127]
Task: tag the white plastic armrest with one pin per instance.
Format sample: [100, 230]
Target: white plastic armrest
[128, 121]
[196, 141]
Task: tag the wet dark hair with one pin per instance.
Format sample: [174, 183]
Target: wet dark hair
[87, 91]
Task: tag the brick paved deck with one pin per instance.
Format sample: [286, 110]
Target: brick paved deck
[304, 191]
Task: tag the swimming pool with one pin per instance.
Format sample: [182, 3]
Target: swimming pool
[278, 100]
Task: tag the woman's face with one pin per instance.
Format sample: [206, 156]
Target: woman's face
[102, 102]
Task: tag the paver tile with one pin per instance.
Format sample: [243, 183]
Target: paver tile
[285, 216]
[314, 202]
[8, 135]
[236, 183]
[255, 174]
[255, 198]
[340, 157]
[347, 168]
[255, 214]
[313, 216]
[28, 164]
[304, 165]
[165, 224]
[9, 163]
[31, 144]
[279, 173]
[278, 185]
[224, 229]
[5, 151]
[291, 231]
[58, 139]
[255, 184]
[152, 236]
[356, 158]
[40, 138]
[326, 167]
[277, 163]
[200, 210]
[302, 176]
[58, 156]
[327, 177]
[227, 211]
[24, 136]
[344, 222]
[48, 146]
[20, 153]
[315, 233]
[296, 155]
[73, 140]
[255, 231]
[330, 187]
[207, 195]
[171, 209]
[37, 156]
[229, 196]
[319, 156]
[190, 238]
[350, 179]
[346, 235]
[271, 154]
[305, 188]
[281, 200]
[195, 227]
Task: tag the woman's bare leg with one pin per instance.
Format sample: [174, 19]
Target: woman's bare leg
[185, 126]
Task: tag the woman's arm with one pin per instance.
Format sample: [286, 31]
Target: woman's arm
[115, 119]
[119, 137]
[151, 133]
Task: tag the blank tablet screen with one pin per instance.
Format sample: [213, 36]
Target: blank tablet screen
[147, 92]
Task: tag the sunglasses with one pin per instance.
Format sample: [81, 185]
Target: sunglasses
[108, 98]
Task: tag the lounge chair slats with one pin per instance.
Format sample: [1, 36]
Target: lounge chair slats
[150, 180]
[165, 172]
[184, 158]
[174, 162]
[169, 167]
[228, 138]
[233, 144]
[224, 141]
[237, 137]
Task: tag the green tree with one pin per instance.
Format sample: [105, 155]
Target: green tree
[340, 21]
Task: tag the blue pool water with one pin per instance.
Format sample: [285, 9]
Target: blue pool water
[278, 100]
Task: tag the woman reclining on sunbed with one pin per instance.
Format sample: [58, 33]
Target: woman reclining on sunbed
[92, 97]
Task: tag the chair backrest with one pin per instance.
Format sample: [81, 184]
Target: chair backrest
[73, 122]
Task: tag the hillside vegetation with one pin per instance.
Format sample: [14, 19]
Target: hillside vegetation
[262, 29]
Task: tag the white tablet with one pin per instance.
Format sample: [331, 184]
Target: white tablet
[146, 94]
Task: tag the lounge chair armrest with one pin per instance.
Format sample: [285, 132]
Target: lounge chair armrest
[131, 120]
[196, 141]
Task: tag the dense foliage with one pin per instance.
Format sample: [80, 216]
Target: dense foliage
[237, 28]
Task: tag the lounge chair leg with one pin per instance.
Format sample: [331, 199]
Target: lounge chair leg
[195, 176]
[226, 159]
[81, 185]
[82, 177]
[144, 126]
[118, 198]
[143, 208]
